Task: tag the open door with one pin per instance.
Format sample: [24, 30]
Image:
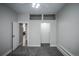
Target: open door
[15, 35]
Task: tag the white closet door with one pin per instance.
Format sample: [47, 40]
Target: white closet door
[45, 32]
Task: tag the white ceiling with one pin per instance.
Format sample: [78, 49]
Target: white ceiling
[44, 7]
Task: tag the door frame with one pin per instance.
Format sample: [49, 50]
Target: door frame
[27, 32]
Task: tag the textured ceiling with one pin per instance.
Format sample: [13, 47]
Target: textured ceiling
[44, 7]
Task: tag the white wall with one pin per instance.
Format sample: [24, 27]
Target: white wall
[6, 18]
[23, 17]
[34, 31]
[68, 28]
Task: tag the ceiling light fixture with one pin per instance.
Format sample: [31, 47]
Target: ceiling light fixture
[35, 5]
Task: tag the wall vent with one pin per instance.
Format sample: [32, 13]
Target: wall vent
[35, 17]
[49, 17]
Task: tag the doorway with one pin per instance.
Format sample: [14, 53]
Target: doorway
[19, 35]
[45, 34]
[23, 33]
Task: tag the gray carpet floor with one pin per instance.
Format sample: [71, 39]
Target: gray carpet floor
[36, 51]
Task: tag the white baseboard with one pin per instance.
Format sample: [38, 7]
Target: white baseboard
[40, 46]
[64, 51]
[33, 45]
[7, 53]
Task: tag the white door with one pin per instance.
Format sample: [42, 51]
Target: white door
[15, 35]
[45, 32]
